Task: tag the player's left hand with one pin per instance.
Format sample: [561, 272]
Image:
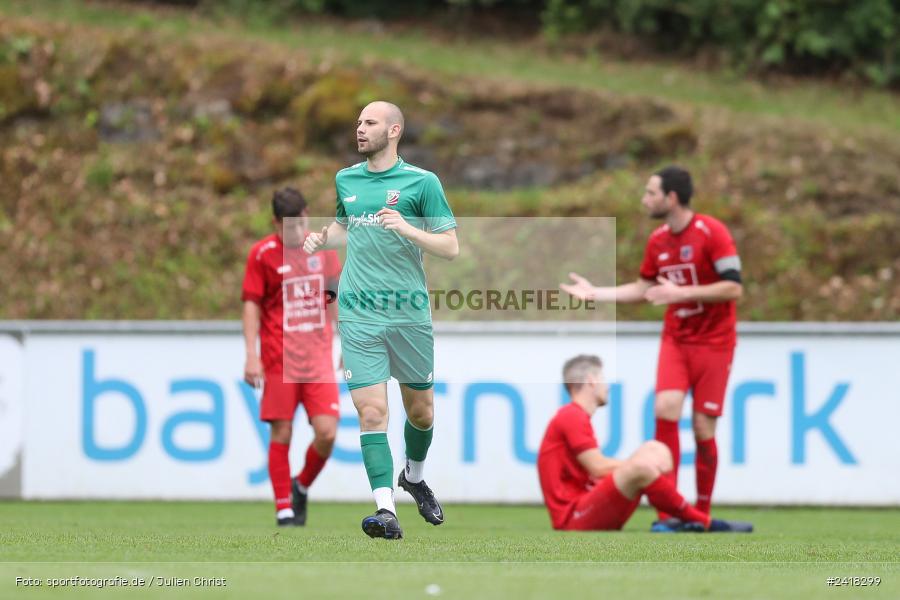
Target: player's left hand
[581, 288]
[394, 221]
[666, 292]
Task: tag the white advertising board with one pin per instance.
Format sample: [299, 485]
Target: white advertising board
[809, 419]
[12, 405]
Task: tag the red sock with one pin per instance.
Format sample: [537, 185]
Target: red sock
[667, 433]
[665, 497]
[280, 474]
[707, 461]
[312, 467]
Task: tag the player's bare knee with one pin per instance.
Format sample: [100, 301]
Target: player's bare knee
[372, 418]
[421, 416]
[281, 438]
[323, 446]
[282, 431]
[668, 404]
[649, 471]
[704, 426]
[325, 434]
[661, 455]
[643, 470]
[667, 410]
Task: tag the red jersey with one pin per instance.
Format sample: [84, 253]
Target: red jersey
[563, 479]
[694, 256]
[290, 287]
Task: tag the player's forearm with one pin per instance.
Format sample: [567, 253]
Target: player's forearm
[622, 294]
[720, 291]
[250, 320]
[444, 244]
[337, 236]
[596, 464]
[607, 467]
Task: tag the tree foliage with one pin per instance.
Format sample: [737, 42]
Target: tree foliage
[799, 36]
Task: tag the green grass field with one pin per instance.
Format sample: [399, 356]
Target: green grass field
[480, 552]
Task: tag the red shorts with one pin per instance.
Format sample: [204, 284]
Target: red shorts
[280, 399]
[703, 370]
[603, 508]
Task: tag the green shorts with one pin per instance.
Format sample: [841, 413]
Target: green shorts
[375, 353]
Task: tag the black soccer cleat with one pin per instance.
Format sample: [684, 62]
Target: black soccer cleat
[718, 526]
[298, 503]
[383, 524]
[284, 521]
[670, 525]
[429, 507]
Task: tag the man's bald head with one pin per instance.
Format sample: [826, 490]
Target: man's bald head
[379, 128]
[389, 112]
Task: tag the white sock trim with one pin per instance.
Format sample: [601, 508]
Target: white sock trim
[285, 513]
[384, 498]
[415, 470]
[429, 428]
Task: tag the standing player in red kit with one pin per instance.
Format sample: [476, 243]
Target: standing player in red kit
[691, 264]
[286, 296]
[586, 491]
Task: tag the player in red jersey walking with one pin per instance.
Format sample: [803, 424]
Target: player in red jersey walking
[286, 296]
[584, 490]
[690, 264]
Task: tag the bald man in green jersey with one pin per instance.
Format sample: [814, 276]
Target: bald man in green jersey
[389, 213]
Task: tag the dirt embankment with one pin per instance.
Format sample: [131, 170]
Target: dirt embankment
[135, 171]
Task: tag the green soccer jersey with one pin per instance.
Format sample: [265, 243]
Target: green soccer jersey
[383, 279]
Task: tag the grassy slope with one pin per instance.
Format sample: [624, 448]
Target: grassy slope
[831, 106]
[481, 550]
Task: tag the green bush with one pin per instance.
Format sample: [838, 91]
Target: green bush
[799, 36]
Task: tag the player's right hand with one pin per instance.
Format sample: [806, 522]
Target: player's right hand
[253, 372]
[581, 288]
[315, 241]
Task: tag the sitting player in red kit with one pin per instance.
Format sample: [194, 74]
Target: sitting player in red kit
[287, 305]
[584, 490]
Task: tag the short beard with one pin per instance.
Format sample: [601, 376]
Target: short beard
[659, 214]
[375, 146]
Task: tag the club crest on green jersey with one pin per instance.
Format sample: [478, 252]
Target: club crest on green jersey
[393, 197]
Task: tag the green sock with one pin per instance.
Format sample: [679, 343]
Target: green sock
[417, 441]
[377, 458]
